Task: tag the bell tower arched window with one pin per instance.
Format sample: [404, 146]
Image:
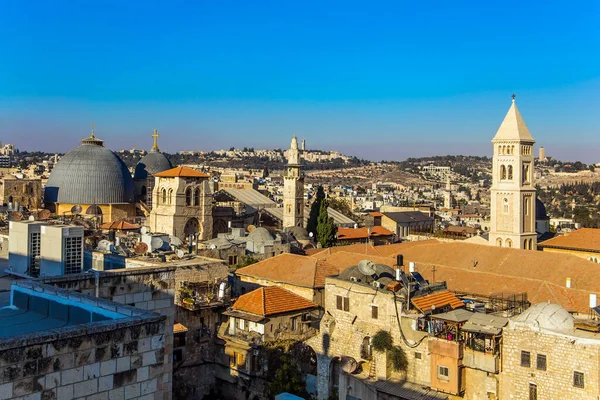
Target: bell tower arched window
[502, 172]
[188, 197]
[510, 172]
[197, 197]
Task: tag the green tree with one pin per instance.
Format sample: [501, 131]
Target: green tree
[326, 229]
[311, 225]
[287, 378]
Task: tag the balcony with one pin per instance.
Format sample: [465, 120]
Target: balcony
[197, 296]
[446, 348]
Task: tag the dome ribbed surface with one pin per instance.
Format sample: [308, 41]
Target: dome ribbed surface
[152, 163]
[90, 174]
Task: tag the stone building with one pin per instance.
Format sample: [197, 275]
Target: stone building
[293, 188]
[513, 199]
[58, 344]
[152, 163]
[584, 243]
[24, 192]
[546, 356]
[182, 204]
[92, 180]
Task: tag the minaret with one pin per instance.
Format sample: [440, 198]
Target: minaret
[513, 188]
[303, 144]
[448, 194]
[293, 188]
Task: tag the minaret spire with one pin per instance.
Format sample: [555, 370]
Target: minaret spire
[155, 136]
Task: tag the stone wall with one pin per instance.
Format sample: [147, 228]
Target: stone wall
[26, 192]
[113, 359]
[564, 355]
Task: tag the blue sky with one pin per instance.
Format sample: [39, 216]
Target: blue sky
[381, 80]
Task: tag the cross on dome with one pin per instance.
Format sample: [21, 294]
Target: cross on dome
[155, 136]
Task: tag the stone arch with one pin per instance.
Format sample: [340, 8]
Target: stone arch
[197, 197]
[164, 196]
[510, 172]
[508, 243]
[499, 149]
[366, 351]
[220, 226]
[191, 226]
[499, 242]
[502, 172]
[188, 196]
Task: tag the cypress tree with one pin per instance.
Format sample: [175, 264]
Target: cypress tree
[311, 225]
[326, 229]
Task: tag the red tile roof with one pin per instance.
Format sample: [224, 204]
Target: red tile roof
[271, 300]
[362, 233]
[585, 239]
[179, 328]
[119, 225]
[182, 172]
[437, 300]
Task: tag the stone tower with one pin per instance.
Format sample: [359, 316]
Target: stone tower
[293, 188]
[513, 189]
[448, 194]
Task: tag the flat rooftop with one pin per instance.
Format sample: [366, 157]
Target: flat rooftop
[36, 308]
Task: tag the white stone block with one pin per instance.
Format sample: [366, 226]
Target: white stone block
[148, 358]
[149, 386]
[158, 342]
[142, 374]
[123, 364]
[91, 371]
[105, 383]
[85, 388]
[52, 380]
[65, 392]
[117, 394]
[132, 391]
[71, 376]
[108, 367]
[6, 391]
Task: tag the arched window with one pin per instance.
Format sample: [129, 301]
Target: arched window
[508, 243]
[164, 196]
[499, 242]
[510, 172]
[197, 197]
[502, 172]
[188, 196]
[170, 196]
[499, 149]
[512, 149]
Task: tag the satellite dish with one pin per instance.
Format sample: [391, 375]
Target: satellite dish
[175, 241]
[31, 218]
[213, 247]
[76, 209]
[349, 364]
[251, 228]
[366, 267]
[156, 243]
[144, 230]
[103, 245]
[140, 248]
[180, 253]
[311, 234]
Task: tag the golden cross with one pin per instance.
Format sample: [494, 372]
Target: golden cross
[92, 129]
[155, 136]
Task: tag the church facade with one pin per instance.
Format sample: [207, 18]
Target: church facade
[293, 188]
[182, 204]
[513, 198]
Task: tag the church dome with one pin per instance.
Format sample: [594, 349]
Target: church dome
[152, 163]
[260, 235]
[547, 316]
[90, 174]
[540, 210]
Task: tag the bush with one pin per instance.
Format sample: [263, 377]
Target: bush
[381, 341]
[398, 358]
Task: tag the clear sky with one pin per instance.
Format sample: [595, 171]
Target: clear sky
[380, 80]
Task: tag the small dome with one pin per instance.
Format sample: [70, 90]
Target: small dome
[299, 232]
[260, 235]
[547, 316]
[540, 210]
[152, 163]
[90, 174]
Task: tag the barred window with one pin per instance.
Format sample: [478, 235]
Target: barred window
[525, 359]
[541, 362]
[443, 372]
[578, 379]
[417, 355]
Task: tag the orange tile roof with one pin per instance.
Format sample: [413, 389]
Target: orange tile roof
[179, 328]
[587, 239]
[376, 214]
[362, 233]
[271, 300]
[182, 172]
[437, 300]
[290, 268]
[363, 248]
[119, 225]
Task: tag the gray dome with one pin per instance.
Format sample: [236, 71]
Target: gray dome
[90, 174]
[547, 316]
[152, 163]
[299, 232]
[540, 210]
[260, 235]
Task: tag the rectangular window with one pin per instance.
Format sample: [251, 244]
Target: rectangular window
[525, 359]
[346, 303]
[541, 362]
[443, 372]
[532, 391]
[417, 355]
[294, 325]
[578, 379]
[374, 311]
[339, 302]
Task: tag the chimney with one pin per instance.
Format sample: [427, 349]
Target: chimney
[400, 260]
[568, 283]
[592, 300]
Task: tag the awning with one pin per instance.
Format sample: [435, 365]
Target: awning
[458, 315]
[179, 328]
[485, 323]
[437, 300]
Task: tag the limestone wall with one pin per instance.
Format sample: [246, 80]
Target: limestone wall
[564, 355]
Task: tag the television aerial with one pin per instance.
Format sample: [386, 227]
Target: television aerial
[366, 267]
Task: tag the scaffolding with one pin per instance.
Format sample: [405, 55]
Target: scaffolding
[506, 304]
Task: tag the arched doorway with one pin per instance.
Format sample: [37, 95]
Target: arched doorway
[366, 352]
[191, 226]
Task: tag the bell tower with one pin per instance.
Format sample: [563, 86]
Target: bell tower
[513, 188]
[293, 188]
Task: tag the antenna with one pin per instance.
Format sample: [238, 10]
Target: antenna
[366, 267]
